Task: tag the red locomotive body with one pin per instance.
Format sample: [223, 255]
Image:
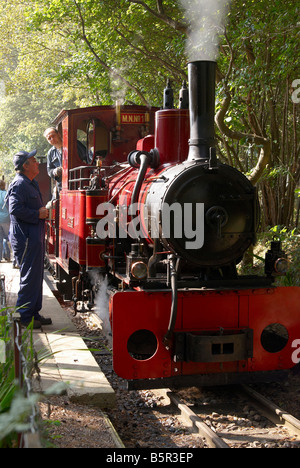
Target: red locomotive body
[163, 234]
[96, 140]
[246, 347]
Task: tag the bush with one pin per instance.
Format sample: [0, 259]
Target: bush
[290, 240]
[15, 408]
[291, 245]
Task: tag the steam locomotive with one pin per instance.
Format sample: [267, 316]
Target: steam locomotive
[162, 232]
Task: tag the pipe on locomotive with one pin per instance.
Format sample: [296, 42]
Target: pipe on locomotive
[202, 76]
[174, 306]
[142, 160]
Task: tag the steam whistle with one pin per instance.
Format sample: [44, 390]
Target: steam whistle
[168, 96]
[184, 96]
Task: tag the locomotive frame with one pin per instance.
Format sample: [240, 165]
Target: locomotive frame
[175, 316]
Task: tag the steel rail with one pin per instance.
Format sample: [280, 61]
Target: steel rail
[212, 439]
[273, 412]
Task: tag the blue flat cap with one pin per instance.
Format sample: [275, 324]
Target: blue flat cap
[21, 157]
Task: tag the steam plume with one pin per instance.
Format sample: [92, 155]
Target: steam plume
[206, 20]
[102, 308]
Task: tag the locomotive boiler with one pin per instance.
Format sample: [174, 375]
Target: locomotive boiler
[164, 232]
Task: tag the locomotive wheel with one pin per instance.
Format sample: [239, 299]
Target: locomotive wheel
[75, 306]
[83, 305]
[79, 306]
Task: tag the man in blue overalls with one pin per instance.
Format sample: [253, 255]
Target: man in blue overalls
[27, 237]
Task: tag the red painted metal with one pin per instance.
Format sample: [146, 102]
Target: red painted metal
[95, 249]
[200, 312]
[50, 232]
[44, 182]
[146, 144]
[172, 135]
[73, 229]
[78, 207]
[93, 199]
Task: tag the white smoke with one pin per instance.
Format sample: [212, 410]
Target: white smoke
[206, 20]
[118, 87]
[102, 308]
[2, 89]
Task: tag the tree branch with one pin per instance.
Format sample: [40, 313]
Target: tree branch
[104, 64]
[144, 51]
[259, 140]
[265, 152]
[160, 14]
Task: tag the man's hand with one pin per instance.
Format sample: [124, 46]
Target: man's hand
[43, 213]
[57, 172]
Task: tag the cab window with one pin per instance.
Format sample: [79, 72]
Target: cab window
[97, 141]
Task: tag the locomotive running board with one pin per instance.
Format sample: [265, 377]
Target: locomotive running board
[209, 380]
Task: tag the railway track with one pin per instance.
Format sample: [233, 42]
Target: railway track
[220, 417]
[285, 430]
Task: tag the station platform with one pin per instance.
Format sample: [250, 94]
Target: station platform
[67, 358]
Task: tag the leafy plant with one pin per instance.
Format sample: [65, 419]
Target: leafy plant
[290, 239]
[15, 407]
[7, 370]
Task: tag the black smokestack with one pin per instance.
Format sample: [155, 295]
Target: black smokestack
[202, 75]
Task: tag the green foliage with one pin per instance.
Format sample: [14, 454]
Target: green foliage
[114, 53]
[56, 54]
[15, 409]
[290, 239]
[16, 420]
[7, 371]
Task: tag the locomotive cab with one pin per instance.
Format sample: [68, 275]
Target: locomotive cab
[96, 141]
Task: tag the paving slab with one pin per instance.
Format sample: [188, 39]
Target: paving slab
[66, 356]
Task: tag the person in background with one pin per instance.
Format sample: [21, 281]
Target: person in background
[4, 224]
[54, 156]
[27, 237]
